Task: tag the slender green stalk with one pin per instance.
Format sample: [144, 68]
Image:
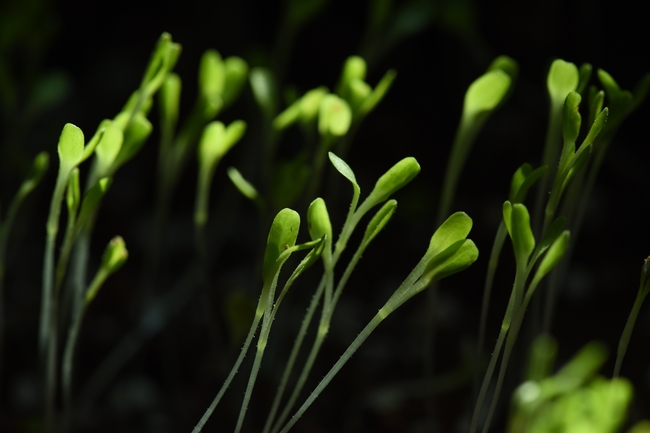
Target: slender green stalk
[335, 369]
[231, 375]
[323, 329]
[644, 289]
[294, 354]
[465, 136]
[49, 307]
[497, 246]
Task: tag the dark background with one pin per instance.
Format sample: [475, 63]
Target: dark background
[98, 52]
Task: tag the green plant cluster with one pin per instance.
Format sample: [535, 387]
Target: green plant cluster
[571, 400]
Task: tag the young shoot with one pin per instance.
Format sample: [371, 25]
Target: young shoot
[644, 289]
[449, 252]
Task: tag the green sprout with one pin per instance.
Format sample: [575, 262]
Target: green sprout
[644, 289]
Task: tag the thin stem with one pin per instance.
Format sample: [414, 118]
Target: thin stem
[294, 354]
[335, 369]
[466, 134]
[499, 240]
[629, 327]
[323, 329]
[261, 345]
[231, 375]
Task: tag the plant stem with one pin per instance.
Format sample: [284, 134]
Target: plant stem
[497, 246]
[335, 369]
[629, 327]
[231, 375]
[292, 357]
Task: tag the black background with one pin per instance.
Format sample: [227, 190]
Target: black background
[102, 49]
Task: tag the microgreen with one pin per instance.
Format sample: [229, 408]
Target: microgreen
[644, 289]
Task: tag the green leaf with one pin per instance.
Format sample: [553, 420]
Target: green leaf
[212, 74]
[394, 179]
[486, 92]
[563, 77]
[454, 229]
[343, 168]
[36, 173]
[113, 259]
[71, 146]
[377, 94]
[571, 118]
[92, 199]
[265, 90]
[242, 184]
[236, 74]
[73, 193]
[282, 236]
[170, 96]
[354, 69]
[108, 147]
[585, 75]
[522, 180]
[288, 117]
[379, 221]
[597, 126]
[318, 220]
[455, 258]
[507, 65]
[549, 237]
[553, 256]
[310, 104]
[212, 143]
[135, 135]
[334, 117]
[596, 101]
[359, 92]
[517, 222]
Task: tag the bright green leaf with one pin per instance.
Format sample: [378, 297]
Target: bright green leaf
[318, 220]
[91, 200]
[507, 65]
[242, 184]
[562, 78]
[310, 104]
[135, 136]
[212, 74]
[571, 118]
[394, 179]
[553, 256]
[522, 180]
[71, 146]
[455, 258]
[108, 147]
[265, 90]
[73, 193]
[170, 96]
[550, 236]
[584, 76]
[236, 74]
[334, 117]
[377, 94]
[517, 220]
[354, 68]
[212, 146]
[486, 92]
[343, 168]
[454, 229]
[282, 236]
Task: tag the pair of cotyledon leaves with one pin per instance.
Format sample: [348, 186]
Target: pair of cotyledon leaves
[449, 251]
